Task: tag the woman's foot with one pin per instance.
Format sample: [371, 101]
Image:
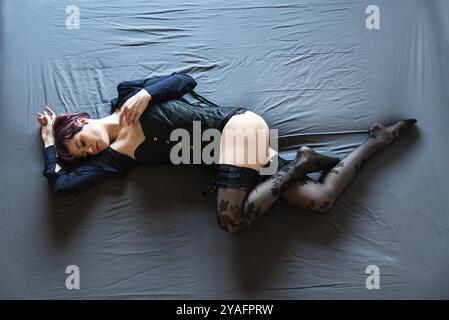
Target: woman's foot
[313, 161]
[383, 136]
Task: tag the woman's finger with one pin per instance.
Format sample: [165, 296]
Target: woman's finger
[136, 118]
[47, 119]
[122, 117]
[44, 117]
[129, 115]
[131, 119]
[39, 120]
[50, 110]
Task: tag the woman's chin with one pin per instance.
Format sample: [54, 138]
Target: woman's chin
[102, 146]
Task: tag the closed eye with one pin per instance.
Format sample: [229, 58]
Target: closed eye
[83, 154]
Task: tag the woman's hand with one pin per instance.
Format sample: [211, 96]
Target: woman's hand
[46, 122]
[133, 108]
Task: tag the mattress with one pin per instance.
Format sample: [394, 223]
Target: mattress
[318, 71]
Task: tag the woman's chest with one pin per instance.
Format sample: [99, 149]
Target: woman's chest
[129, 139]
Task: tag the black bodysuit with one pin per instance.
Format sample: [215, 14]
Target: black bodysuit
[159, 121]
[166, 111]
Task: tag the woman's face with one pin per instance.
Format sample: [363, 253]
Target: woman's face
[90, 140]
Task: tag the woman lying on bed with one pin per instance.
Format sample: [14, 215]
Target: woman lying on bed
[137, 132]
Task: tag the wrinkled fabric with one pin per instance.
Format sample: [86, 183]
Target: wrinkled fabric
[311, 68]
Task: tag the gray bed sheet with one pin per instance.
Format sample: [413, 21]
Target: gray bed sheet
[311, 68]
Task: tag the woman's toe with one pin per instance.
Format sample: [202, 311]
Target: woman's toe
[410, 122]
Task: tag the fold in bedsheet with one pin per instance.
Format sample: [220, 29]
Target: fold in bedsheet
[311, 68]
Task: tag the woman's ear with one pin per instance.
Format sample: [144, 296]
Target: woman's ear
[82, 120]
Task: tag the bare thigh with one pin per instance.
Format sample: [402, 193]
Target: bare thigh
[245, 141]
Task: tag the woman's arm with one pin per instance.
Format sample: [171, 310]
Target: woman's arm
[153, 89]
[171, 87]
[64, 182]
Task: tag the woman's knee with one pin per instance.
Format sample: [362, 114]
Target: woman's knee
[229, 207]
[322, 202]
[228, 223]
[225, 223]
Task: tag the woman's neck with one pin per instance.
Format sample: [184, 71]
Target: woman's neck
[111, 125]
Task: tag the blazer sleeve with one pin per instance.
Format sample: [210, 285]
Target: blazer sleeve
[172, 87]
[161, 88]
[65, 182]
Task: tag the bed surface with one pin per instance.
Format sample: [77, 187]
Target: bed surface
[311, 69]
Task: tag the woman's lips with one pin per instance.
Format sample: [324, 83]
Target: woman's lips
[98, 147]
